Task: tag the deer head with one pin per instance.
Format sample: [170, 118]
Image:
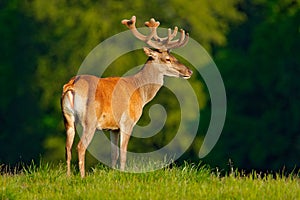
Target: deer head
[161, 56]
[167, 63]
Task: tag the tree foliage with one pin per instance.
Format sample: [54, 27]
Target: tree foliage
[19, 112]
[261, 69]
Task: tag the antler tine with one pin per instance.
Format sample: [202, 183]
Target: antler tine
[172, 35]
[165, 43]
[131, 25]
[152, 24]
[183, 40]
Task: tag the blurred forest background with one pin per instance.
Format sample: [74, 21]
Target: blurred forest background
[255, 45]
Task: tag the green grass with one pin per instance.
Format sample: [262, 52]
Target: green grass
[186, 182]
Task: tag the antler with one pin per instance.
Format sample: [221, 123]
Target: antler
[153, 39]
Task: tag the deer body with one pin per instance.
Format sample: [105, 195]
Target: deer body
[114, 103]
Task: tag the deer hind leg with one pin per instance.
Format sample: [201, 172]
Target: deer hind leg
[114, 137]
[67, 106]
[86, 138]
[70, 133]
[69, 143]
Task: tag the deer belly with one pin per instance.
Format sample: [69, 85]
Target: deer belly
[107, 122]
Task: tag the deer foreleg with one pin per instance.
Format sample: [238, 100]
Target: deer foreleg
[114, 137]
[123, 148]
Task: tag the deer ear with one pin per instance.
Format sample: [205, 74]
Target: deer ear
[150, 53]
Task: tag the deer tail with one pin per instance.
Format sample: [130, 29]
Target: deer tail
[67, 97]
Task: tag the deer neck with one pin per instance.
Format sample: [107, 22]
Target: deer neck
[149, 80]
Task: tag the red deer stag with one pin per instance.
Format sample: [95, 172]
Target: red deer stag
[116, 103]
